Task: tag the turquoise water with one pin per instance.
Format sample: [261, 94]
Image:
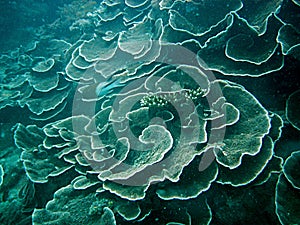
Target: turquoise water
[150, 112]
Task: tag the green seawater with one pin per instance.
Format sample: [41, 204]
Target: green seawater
[149, 112]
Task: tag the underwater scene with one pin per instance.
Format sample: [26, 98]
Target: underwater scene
[151, 112]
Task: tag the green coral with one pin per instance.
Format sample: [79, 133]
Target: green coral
[118, 123]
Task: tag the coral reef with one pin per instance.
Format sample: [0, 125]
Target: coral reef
[137, 112]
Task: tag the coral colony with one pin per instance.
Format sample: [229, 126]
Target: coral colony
[117, 123]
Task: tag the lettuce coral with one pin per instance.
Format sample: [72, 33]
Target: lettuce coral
[140, 117]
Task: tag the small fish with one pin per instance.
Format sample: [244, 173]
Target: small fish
[107, 87]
